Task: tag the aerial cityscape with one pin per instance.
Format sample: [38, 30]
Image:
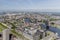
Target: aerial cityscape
[29, 19]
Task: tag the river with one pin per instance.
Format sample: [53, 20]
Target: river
[53, 29]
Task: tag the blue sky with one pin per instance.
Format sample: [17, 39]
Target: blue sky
[29, 4]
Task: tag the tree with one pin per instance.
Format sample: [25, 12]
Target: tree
[13, 31]
[13, 26]
[52, 23]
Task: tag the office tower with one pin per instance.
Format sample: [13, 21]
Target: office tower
[6, 34]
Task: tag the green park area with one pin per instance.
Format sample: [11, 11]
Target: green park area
[56, 26]
[4, 26]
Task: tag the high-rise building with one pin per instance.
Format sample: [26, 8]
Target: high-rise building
[47, 24]
[6, 34]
